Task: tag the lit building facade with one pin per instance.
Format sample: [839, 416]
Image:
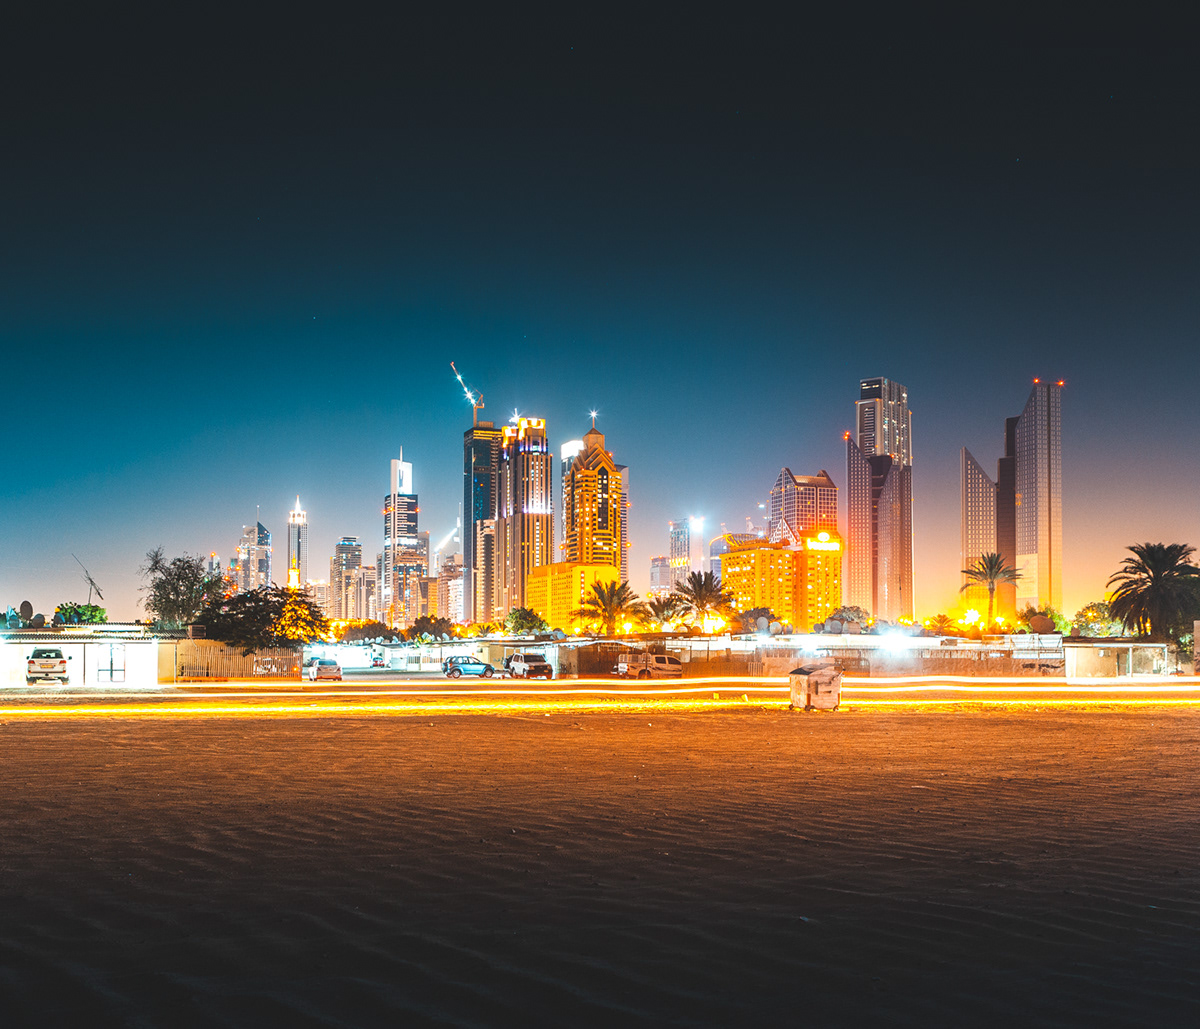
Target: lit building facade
[801, 504]
[450, 587]
[1024, 525]
[558, 591]
[593, 504]
[879, 524]
[626, 504]
[1039, 498]
[253, 561]
[685, 549]
[364, 593]
[525, 511]
[405, 556]
[343, 568]
[978, 524]
[297, 552]
[481, 484]
[800, 582]
[662, 580]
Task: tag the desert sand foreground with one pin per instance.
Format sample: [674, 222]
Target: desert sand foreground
[737, 868]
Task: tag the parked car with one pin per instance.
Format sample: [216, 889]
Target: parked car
[325, 668]
[46, 663]
[528, 665]
[463, 664]
[649, 666]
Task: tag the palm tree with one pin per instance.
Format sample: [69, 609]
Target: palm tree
[661, 610]
[988, 570]
[702, 594]
[941, 624]
[1158, 589]
[609, 603]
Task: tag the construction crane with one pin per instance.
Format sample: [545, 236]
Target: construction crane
[476, 399]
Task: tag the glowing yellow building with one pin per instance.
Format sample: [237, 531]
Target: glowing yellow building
[556, 592]
[593, 503]
[800, 583]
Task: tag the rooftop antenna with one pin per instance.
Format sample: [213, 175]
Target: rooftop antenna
[87, 577]
[475, 399]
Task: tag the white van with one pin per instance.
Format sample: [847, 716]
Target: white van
[649, 666]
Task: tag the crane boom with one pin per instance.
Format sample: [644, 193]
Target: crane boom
[475, 399]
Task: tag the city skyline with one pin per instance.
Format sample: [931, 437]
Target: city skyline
[708, 238]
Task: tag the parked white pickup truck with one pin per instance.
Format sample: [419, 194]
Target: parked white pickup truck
[528, 665]
[649, 666]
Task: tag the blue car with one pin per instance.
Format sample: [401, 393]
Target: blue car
[462, 664]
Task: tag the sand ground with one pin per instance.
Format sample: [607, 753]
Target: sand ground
[732, 868]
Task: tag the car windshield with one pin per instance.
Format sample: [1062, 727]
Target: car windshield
[40, 653]
[327, 664]
[531, 658]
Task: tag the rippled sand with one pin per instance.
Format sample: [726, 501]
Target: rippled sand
[739, 868]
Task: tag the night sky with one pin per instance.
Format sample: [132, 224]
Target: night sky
[239, 253]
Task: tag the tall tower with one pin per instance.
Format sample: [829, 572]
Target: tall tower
[524, 529]
[978, 522]
[254, 557]
[801, 504]
[626, 504]
[1006, 518]
[343, 569]
[481, 483]
[1038, 446]
[405, 554]
[879, 502]
[297, 547]
[680, 551]
[593, 504]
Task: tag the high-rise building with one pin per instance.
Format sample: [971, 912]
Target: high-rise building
[318, 591]
[481, 484]
[343, 567]
[682, 550]
[719, 546]
[405, 550]
[801, 504]
[662, 580]
[363, 594]
[626, 504]
[1024, 523]
[978, 523]
[879, 552]
[450, 587]
[524, 511]
[593, 504]
[1039, 498]
[297, 553]
[253, 558]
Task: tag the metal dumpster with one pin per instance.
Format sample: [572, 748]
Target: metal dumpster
[816, 686]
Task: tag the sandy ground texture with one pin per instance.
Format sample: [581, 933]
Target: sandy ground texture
[748, 868]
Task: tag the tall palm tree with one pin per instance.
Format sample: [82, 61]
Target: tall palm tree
[988, 570]
[664, 609]
[609, 603]
[1157, 590]
[702, 594]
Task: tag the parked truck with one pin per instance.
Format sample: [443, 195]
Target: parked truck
[639, 665]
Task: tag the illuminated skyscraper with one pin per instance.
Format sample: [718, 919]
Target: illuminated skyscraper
[297, 547]
[879, 575]
[343, 569]
[481, 483]
[1039, 498]
[405, 554]
[661, 579]
[524, 511]
[978, 523]
[801, 504]
[1024, 524]
[593, 504]
[626, 504]
[681, 551]
[253, 558]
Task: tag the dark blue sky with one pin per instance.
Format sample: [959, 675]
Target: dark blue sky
[239, 255]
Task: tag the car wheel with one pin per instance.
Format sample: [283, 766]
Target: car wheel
[455, 673]
[489, 672]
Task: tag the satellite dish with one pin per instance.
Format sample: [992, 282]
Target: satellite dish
[26, 610]
[834, 626]
[761, 622]
[776, 628]
[39, 621]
